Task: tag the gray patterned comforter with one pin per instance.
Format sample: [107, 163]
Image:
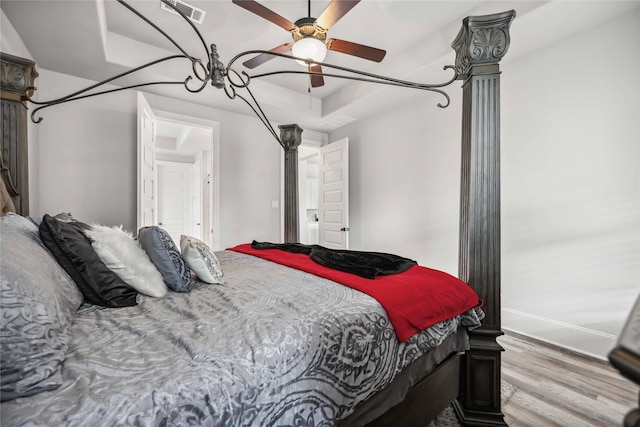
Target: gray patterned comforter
[272, 346]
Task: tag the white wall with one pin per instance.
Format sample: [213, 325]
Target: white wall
[86, 154]
[249, 172]
[570, 185]
[85, 158]
[404, 176]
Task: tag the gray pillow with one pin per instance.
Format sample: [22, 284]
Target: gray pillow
[39, 301]
[201, 259]
[166, 257]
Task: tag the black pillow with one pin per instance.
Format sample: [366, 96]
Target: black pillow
[73, 251]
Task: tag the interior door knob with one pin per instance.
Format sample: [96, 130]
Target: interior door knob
[344, 229]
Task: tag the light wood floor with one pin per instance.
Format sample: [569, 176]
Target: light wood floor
[556, 387]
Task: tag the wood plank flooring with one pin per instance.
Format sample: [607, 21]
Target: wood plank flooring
[557, 387]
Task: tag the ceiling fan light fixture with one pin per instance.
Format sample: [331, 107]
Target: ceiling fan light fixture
[310, 48]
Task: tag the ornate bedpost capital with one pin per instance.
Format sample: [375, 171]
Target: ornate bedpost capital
[482, 41]
[291, 136]
[17, 77]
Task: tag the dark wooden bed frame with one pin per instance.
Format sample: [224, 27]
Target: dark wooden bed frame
[472, 380]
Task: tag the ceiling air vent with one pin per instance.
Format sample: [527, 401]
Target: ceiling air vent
[193, 13]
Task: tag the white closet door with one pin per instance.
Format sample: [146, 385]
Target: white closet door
[174, 199]
[333, 227]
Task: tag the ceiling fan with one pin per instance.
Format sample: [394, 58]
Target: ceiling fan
[310, 37]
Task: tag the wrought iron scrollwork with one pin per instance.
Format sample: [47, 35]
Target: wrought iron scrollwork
[227, 78]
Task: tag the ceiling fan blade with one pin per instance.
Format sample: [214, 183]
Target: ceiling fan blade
[334, 11]
[263, 12]
[355, 49]
[264, 57]
[316, 79]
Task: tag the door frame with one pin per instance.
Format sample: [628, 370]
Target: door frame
[214, 215]
[311, 143]
[303, 193]
[315, 140]
[214, 196]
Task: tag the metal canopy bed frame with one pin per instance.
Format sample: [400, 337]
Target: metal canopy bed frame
[470, 380]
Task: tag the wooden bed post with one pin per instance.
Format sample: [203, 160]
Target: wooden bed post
[480, 45]
[18, 76]
[291, 137]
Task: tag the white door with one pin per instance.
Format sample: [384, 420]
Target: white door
[333, 227]
[174, 199]
[146, 212]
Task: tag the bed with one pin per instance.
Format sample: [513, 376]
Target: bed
[272, 345]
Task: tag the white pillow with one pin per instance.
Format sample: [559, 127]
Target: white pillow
[201, 259]
[123, 255]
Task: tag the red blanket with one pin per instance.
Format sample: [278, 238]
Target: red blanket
[413, 300]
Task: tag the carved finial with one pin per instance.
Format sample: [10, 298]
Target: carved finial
[291, 136]
[217, 73]
[482, 40]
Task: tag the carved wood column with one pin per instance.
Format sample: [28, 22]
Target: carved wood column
[291, 137]
[17, 82]
[480, 45]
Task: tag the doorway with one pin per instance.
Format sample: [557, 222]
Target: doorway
[184, 168]
[323, 205]
[308, 170]
[184, 176]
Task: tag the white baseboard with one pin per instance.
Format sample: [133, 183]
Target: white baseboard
[576, 338]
